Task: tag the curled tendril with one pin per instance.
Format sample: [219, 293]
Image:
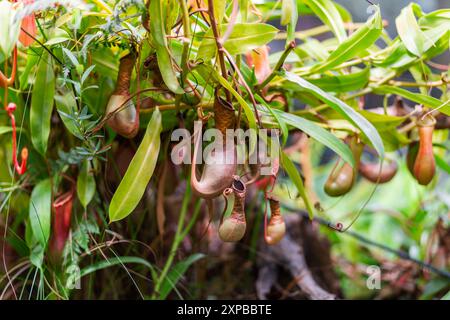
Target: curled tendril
[22, 167]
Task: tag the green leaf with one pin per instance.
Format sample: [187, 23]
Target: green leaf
[343, 109]
[312, 48]
[85, 184]
[56, 40]
[382, 121]
[320, 134]
[71, 57]
[66, 105]
[358, 42]
[175, 274]
[281, 122]
[289, 17]
[441, 163]
[435, 27]
[219, 10]
[446, 296]
[33, 56]
[426, 100]
[139, 172]
[243, 38]
[342, 83]
[4, 130]
[286, 11]
[294, 175]
[9, 27]
[40, 211]
[435, 19]
[42, 104]
[158, 32]
[113, 262]
[327, 11]
[409, 31]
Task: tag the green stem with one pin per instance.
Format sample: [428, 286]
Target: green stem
[179, 236]
[186, 43]
[278, 66]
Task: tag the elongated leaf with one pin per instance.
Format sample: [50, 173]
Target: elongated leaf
[318, 133]
[342, 108]
[42, 104]
[65, 105]
[85, 184]
[113, 262]
[359, 41]
[40, 211]
[294, 175]
[243, 38]
[219, 9]
[426, 100]
[441, 163]
[382, 121]
[176, 273]
[312, 48]
[33, 56]
[329, 14]
[286, 11]
[409, 31]
[344, 82]
[139, 172]
[5, 130]
[159, 36]
[435, 19]
[281, 122]
[9, 27]
[436, 39]
[289, 17]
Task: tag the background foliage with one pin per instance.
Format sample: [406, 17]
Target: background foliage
[136, 229]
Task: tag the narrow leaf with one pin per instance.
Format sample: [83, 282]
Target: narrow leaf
[294, 175]
[342, 108]
[40, 211]
[158, 32]
[65, 105]
[85, 184]
[426, 100]
[139, 172]
[409, 31]
[42, 104]
[329, 14]
[342, 83]
[243, 38]
[320, 134]
[358, 42]
[113, 262]
[176, 273]
[9, 27]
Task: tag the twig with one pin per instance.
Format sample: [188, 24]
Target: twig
[232, 21]
[361, 238]
[219, 44]
[416, 84]
[244, 83]
[43, 46]
[291, 254]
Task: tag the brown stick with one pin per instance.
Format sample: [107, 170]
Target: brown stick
[289, 253]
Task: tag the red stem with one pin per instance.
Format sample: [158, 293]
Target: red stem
[6, 82]
[20, 168]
